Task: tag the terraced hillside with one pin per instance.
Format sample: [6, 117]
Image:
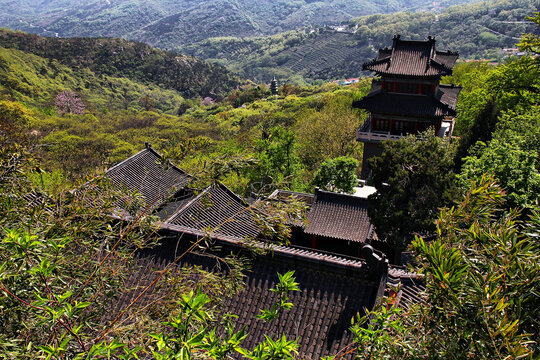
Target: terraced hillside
[477, 31]
[331, 54]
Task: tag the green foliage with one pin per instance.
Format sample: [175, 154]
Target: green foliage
[499, 122]
[338, 174]
[476, 31]
[414, 178]
[530, 42]
[13, 115]
[286, 283]
[137, 62]
[37, 80]
[278, 162]
[328, 130]
[281, 349]
[513, 166]
[191, 332]
[482, 276]
[101, 138]
[53, 286]
[376, 333]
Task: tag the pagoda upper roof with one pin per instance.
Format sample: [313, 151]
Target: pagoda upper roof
[413, 58]
[442, 103]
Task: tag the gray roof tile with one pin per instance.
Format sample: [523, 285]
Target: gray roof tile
[339, 216]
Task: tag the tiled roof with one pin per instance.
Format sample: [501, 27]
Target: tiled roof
[446, 58]
[330, 295]
[339, 216]
[413, 58]
[443, 103]
[384, 53]
[170, 208]
[218, 210]
[284, 194]
[322, 311]
[298, 218]
[144, 173]
[449, 95]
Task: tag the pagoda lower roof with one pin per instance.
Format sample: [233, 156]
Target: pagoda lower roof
[443, 103]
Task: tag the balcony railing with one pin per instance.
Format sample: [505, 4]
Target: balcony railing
[365, 135]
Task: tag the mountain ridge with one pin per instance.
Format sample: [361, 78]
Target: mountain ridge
[188, 75]
[129, 18]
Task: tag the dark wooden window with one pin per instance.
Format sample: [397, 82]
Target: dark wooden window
[403, 127]
[406, 88]
[381, 125]
[426, 89]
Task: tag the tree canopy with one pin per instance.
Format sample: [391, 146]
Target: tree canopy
[414, 178]
[337, 174]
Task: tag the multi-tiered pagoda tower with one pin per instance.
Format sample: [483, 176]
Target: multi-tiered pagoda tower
[408, 97]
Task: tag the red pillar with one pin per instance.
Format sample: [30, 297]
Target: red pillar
[313, 241]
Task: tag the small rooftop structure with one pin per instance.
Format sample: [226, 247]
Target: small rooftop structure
[339, 216]
[363, 190]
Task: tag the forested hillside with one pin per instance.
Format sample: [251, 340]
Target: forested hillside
[173, 22]
[476, 31]
[36, 80]
[63, 263]
[292, 44]
[122, 58]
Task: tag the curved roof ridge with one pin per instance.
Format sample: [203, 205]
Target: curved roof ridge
[188, 205]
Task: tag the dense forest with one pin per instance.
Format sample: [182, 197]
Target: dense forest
[163, 23]
[66, 115]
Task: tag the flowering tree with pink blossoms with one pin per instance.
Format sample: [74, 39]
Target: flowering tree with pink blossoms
[67, 102]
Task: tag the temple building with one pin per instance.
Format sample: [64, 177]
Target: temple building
[335, 254]
[407, 97]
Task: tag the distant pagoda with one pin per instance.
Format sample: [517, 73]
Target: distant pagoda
[274, 86]
[408, 98]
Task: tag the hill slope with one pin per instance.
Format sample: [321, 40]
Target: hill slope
[122, 58]
[167, 23]
[479, 30]
[36, 80]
